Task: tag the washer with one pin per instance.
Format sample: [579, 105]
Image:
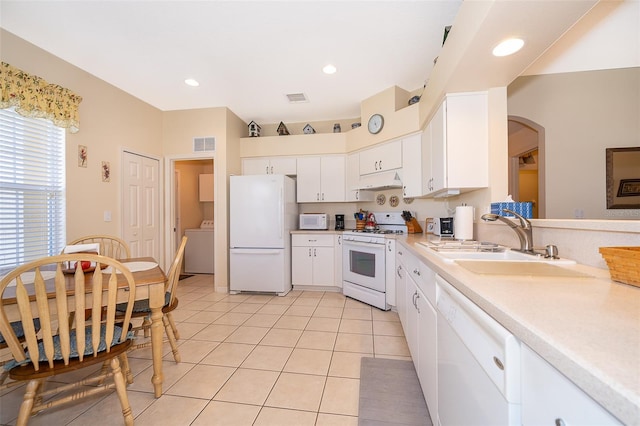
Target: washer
[199, 254]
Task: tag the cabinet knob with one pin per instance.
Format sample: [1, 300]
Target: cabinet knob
[416, 271]
[380, 164]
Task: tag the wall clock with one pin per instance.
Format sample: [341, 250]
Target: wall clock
[376, 123]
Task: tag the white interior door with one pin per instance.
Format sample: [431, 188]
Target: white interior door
[141, 205]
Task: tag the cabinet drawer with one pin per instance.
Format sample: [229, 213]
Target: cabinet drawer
[312, 240]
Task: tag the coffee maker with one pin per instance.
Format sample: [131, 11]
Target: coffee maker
[339, 222]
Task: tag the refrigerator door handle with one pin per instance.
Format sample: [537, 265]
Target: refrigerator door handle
[281, 211]
[256, 251]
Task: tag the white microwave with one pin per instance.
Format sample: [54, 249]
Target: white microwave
[314, 221]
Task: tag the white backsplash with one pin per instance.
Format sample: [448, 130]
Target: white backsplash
[575, 239]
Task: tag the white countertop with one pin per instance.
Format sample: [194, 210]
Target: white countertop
[587, 328]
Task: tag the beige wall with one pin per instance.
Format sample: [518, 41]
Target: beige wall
[178, 130]
[582, 114]
[110, 120]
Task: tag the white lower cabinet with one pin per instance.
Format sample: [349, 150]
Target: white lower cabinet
[338, 260]
[414, 281]
[312, 259]
[550, 398]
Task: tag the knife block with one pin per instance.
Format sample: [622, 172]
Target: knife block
[413, 227]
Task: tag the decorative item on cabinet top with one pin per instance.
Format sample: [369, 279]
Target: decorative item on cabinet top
[337, 128]
[282, 129]
[254, 129]
[308, 130]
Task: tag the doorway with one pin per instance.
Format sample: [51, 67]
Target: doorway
[184, 208]
[526, 163]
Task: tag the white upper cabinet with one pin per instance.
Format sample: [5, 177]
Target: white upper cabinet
[381, 158]
[353, 179]
[269, 166]
[321, 179]
[412, 181]
[455, 145]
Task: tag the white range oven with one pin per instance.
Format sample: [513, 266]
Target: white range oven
[364, 260]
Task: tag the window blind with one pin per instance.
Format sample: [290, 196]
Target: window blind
[32, 189]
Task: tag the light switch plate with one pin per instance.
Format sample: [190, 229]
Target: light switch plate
[107, 215]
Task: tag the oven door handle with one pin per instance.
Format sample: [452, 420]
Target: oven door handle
[359, 244]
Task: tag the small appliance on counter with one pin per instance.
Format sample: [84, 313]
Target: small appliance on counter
[314, 221]
[443, 226]
[339, 222]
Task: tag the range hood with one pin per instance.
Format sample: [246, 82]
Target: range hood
[382, 180]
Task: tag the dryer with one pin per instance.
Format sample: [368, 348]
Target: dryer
[199, 253]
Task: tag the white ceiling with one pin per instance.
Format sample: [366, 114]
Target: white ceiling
[246, 55]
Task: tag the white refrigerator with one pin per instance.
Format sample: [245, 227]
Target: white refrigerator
[262, 213]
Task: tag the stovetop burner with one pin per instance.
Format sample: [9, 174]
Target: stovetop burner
[378, 231]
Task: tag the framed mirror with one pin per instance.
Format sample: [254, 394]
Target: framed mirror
[623, 178]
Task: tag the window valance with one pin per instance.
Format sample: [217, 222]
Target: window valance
[34, 97]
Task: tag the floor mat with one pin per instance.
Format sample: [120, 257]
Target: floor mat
[183, 276]
[390, 394]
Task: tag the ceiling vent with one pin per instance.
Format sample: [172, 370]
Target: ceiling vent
[207, 143]
[297, 98]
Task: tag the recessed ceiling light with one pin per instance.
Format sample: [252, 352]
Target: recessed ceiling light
[191, 82]
[508, 47]
[329, 69]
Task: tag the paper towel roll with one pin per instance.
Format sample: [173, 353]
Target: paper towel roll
[463, 223]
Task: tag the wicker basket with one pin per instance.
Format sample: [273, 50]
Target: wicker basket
[623, 263]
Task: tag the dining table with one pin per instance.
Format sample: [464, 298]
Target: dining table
[150, 282]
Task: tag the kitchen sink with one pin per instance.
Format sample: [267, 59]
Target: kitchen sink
[451, 251]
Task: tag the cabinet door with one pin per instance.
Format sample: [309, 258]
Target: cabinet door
[412, 166]
[308, 181]
[381, 158]
[302, 265]
[332, 178]
[283, 166]
[427, 367]
[255, 166]
[352, 179]
[411, 330]
[548, 397]
[467, 136]
[438, 149]
[323, 265]
[401, 288]
[427, 172]
[337, 256]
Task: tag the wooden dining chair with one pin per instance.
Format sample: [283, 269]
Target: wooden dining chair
[141, 307]
[48, 290]
[110, 245]
[4, 374]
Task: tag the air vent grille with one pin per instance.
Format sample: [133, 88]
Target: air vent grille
[207, 143]
[296, 98]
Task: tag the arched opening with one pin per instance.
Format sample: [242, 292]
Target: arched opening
[526, 163]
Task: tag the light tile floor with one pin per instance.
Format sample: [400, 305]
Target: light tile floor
[247, 360]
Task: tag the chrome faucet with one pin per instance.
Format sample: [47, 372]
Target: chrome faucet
[524, 230]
